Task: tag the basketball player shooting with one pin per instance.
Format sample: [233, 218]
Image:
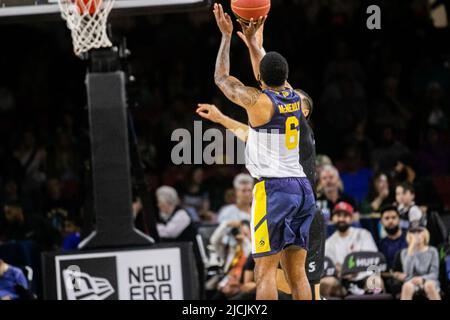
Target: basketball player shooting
[307, 148]
[283, 205]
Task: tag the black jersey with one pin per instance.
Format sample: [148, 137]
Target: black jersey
[307, 147]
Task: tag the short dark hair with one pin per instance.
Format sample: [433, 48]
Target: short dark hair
[389, 208]
[309, 102]
[407, 187]
[274, 69]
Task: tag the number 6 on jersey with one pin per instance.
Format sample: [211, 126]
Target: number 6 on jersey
[292, 133]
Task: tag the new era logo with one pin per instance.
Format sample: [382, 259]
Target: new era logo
[82, 286]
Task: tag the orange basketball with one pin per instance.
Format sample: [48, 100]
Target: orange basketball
[247, 9]
[90, 6]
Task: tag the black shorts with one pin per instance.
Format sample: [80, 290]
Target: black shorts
[316, 252]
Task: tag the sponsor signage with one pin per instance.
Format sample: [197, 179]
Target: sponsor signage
[150, 274]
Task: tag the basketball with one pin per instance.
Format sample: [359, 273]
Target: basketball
[248, 9]
[90, 6]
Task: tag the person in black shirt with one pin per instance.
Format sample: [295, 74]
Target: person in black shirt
[330, 190]
[391, 245]
[379, 194]
[18, 226]
[316, 252]
[307, 141]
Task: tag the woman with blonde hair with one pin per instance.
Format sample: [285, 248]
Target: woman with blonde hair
[420, 264]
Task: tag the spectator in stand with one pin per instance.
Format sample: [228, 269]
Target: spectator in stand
[425, 190]
[432, 220]
[12, 192]
[72, 233]
[343, 101]
[330, 190]
[33, 159]
[218, 183]
[19, 226]
[395, 240]
[433, 158]
[243, 186]
[355, 176]
[57, 208]
[391, 246]
[436, 116]
[63, 159]
[224, 240]
[389, 150]
[379, 194]
[344, 63]
[344, 241]
[321, 161]
[391, 108]
[229, 197]
[404, 196]
[11, 278]
[232, 242]
[420, 265]
[195, 195]
[175, 223]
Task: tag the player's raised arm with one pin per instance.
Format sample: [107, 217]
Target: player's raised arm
[233, 89]
[253, 36]
[212, 113]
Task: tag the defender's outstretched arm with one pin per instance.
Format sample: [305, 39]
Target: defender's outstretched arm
[212, 113]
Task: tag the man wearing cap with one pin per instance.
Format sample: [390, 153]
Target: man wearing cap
[345, 240]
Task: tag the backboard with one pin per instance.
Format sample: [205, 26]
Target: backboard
[20, 10]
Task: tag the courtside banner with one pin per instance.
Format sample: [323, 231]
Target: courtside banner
[158, 273]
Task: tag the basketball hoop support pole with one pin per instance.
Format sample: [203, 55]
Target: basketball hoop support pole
[110, 157]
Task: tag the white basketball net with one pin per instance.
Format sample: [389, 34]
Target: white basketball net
[87, 20]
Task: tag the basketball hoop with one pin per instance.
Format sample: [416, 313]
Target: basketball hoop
[87, 20]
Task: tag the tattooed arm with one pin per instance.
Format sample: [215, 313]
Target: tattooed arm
[232, 88]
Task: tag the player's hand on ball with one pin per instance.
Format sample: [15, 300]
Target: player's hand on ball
[210, 112]
[223, 20]
[254, 31]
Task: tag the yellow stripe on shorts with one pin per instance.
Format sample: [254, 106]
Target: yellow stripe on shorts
[261, 235]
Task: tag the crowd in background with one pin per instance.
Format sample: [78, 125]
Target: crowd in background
[381, 116]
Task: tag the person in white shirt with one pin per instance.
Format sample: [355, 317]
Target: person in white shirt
[174, 224]
[345, 240]
[241, 210]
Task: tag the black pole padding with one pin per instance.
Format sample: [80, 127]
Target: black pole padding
[112, 194]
